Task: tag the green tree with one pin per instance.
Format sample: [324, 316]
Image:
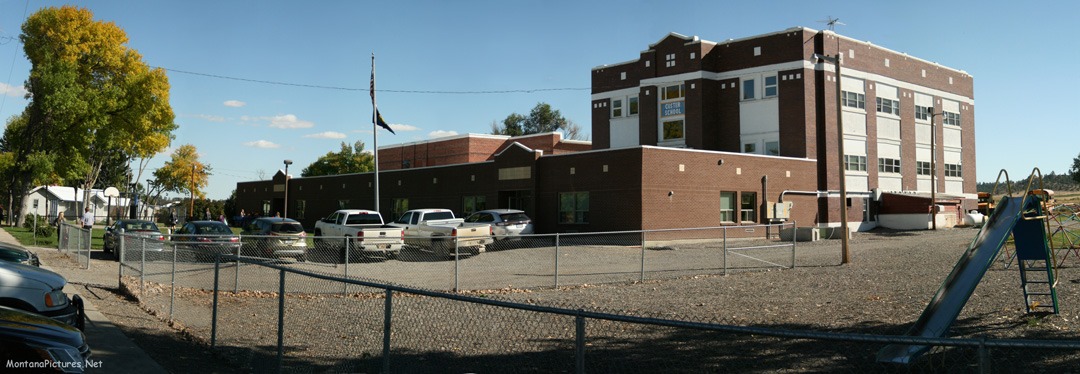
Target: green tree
[1074, 171]
[92, 99]
[541, 119]
[348, 160]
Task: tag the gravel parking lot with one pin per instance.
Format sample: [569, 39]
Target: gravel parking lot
[882, 291]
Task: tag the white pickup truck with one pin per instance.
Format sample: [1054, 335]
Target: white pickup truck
[362, 231]
[437, 230]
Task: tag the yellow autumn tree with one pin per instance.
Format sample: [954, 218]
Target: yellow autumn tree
[92, 99]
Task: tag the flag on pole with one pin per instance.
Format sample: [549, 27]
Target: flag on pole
[382, 123]
[378, 117]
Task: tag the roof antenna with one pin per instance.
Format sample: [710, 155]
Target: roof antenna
[832, 22]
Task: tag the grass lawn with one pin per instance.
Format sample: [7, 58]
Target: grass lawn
[26, 237]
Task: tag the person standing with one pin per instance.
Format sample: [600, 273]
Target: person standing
[88, 219]
[59, 223]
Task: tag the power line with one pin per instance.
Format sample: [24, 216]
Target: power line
[366, 89]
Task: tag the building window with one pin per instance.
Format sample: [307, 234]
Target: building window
[854, 100]
[266, 207]
[954, 170]
[950, 118]
[673, 130]
[888, 165]
[301, 207]
[748, 207]
[770, 86]
[670, 60]
[632, 104]
[616, 108]
[854, 163]
[574, 207]
[671, 92]
[727, 207]
[749, 148]
[888, 106]
[772, 148]
[922, 112]
[401, 205]
[473, 203]
[343, 204]
[922, 167]
[748, 89]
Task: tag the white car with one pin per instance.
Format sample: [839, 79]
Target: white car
[40, 291]
[505, 223]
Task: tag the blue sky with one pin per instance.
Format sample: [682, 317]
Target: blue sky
[1023, 59]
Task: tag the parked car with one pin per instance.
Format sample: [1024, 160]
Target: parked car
[31, 338]
[18, 255]
[40, 291]
[274, 238]
[211, 237]
[436, 230]
[365, 230]
[505, 223]
[148, 233]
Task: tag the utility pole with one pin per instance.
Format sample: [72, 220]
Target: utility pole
[845, 256]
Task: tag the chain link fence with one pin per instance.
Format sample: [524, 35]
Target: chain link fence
[74, 242]
[343, 310]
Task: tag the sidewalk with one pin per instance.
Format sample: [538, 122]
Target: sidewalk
[108, 344]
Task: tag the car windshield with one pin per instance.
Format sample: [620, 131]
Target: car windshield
[514, 217]
[144, 226]
[287, 227]
[214, 230]
[364, 219]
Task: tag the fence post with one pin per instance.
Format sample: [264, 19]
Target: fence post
[457, 265]
[642, 278]
[281, 319]
[579, 343]
[724, 246]
[984, 357]
[89, 240]
[172, 296]
[213, 316]
[121, 255]
[236, 275]
[142, 273]
[387, 314]
[794, 232]
[556, 260]
[345, 291]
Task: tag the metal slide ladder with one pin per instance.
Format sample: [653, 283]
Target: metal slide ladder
[1035, 257]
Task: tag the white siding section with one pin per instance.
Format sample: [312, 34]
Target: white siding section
[923, 100]
[890, 182]
[951, 137]
[857, 182]
[759, 116]
[854, 123]
[923, 183]
[922, 133]
[950, 106]
[624, 132]
[951, 157]
[954, 186]
[852, 84]
[888, 128]
[855, 147]
[887, 92]
[888, 150]
[922, 154]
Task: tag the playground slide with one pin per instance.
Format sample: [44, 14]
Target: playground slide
[959, 285]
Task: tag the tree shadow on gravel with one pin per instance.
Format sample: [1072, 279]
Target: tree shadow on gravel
[630, 348]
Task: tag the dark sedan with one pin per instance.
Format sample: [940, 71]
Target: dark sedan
[206, 237]
[27, 338]
[145, 232]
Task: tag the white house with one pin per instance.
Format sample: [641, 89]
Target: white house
[47, 200]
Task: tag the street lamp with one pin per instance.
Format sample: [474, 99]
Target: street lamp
[286, 209]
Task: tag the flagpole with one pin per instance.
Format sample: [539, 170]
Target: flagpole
[375, 132]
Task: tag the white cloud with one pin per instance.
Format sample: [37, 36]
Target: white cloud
[210, 117]
[289, 121]
[262, 144]
[13, 91]
[234, 103]
[403, 127]
[326, 135]
[441, 134]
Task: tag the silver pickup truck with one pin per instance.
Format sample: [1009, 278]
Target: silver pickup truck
[438, 231]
